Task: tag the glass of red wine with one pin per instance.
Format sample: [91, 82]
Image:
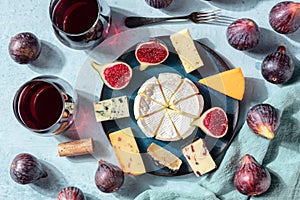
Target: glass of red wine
[80, 24]
[45, 105]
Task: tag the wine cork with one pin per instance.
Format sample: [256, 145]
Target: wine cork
[76, 147]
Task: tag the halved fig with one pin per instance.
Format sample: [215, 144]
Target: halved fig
[115, 75]
[152, 52]
[213, 122]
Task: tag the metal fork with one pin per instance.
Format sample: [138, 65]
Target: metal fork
[196, 17]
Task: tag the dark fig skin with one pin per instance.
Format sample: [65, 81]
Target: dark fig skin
[251, 178]
[263, 119]
[108, 178]
[278, 67]
[284, 17]
[25, 169]
[243, 34]
[70, 193]
[24, 48]
[159, 3]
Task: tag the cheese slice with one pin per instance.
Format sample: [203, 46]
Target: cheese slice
[186, 90]
[187, 52]
[127, 151]
[150, 124]
[124, 140]
[190, 107]
[167, 130]
[130, 163]
[163, 158]
[144, 107]
[111, 109]
[198, 157]
[230, 83]
[166, 106]
[152, 90]
[181, 123]
[169, 83]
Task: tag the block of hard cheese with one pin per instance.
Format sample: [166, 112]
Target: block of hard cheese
[163, 158]
[198, 157]
[186, 50]
[127, 151]
[111, 109]
[230, 83]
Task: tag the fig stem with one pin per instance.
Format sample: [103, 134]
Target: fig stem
[281, 49]
[143, 67]
[96, 65]
[44, 174]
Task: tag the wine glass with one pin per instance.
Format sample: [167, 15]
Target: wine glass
[45, 105]
[80, 24]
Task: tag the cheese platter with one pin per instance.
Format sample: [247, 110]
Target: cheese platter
[130, 129]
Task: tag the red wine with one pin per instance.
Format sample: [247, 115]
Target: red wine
[40, 105]
[75, 16]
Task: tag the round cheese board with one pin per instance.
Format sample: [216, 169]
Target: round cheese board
[213, 64]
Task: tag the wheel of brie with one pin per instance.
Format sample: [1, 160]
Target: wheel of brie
[165, 107]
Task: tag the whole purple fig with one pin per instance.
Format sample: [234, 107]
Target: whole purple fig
[24, 48]
[25, 168]
[70, 193]
[263, 119]
[277, 67]
[108, 177]
[251, 178]
[243, 34]
[284, 17]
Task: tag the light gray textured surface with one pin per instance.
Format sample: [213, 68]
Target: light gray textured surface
[56, 59]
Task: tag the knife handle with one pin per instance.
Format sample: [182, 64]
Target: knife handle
[132, 22]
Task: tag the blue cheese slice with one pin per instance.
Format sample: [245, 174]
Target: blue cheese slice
[186, 50]
[111, 109]
[198, 157]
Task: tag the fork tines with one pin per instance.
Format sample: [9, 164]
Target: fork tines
[214, 17]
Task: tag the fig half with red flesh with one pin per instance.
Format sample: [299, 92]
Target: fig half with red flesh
[213, 122]
[152, 52]
[115, 75]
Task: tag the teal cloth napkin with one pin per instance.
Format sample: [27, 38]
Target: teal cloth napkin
[281, 156]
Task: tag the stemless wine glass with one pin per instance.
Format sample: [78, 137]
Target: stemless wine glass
[45, 105]
[80, 24]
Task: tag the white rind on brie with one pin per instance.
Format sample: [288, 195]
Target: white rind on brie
[192, 106]
[144, 107]
[181, 124]
[152, 90]
[167, 131]
[169, 83]
[187, 89]
[165, 107]
[151, 124]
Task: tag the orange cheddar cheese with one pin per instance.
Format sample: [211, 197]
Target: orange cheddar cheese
[230, 83]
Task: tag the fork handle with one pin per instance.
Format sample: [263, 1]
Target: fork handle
[132, 22]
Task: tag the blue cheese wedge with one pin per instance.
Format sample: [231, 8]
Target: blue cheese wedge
[198, 157]
[186, 50]
[111, 109]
